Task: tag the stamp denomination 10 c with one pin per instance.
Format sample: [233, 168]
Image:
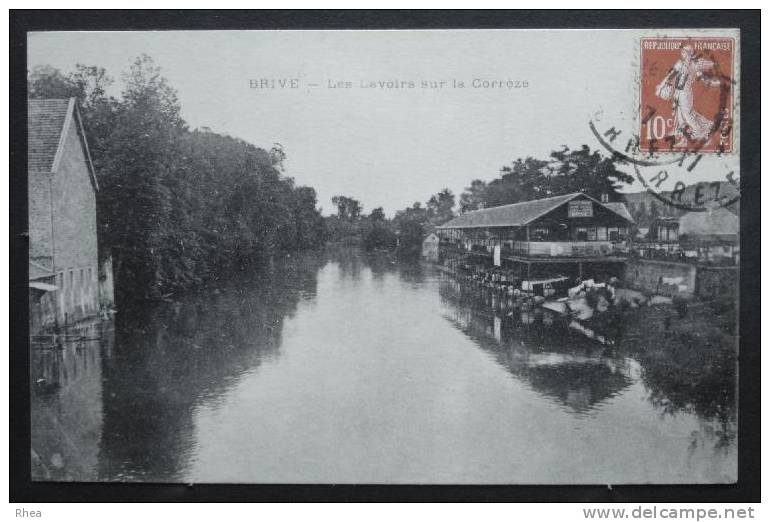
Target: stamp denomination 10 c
[686, 95]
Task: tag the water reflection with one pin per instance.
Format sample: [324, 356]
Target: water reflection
[539, 348]
[66, 407]
[172, 358]
[687, 368]
[692, 370]
[346, 367]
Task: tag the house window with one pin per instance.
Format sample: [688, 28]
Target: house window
[614, 234]
[540, 233]
[591, 235]
[581, 234]
[60, 281]
[601, 233]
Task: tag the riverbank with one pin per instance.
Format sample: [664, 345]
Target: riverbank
[317, 370]
[585, 299]
[687, 355]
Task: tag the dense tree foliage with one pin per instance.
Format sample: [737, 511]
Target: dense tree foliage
[380, 236]
[347, 208]
[440, 207]
[178, 208]
[404, 233]
[347, 226]
[473, 197]
[564, 172]
[379, 233]
[412, 225]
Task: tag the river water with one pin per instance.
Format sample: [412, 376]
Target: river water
[338, 367]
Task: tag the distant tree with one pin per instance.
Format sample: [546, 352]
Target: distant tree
[44, 81]
[524, 180]
[586, 170]
[347, 208]
[411, 225]
[439, 207]
[566, 171]
[473, 196]
[377, 215]
[378, 232]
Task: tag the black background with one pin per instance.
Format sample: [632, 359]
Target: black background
[747, 489]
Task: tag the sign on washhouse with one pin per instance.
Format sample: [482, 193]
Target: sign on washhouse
[579, 209]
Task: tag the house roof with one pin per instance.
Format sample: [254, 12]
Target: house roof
[713, 222]
[43, 287]
[45, 124]
[48, 121]
[620, 209]
[519, 214]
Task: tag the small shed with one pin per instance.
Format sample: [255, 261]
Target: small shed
[430, 247]
[712, 235]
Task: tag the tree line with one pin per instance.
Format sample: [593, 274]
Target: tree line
[563, 172]
[177, 207]
[402, 234]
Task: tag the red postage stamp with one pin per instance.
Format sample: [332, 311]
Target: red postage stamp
[686, 94]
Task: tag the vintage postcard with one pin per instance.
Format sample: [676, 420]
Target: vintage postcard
[384, 256]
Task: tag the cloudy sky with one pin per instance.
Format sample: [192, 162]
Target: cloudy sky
[395, 145]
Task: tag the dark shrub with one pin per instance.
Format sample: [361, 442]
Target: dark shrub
[680, 305]
[380, 237]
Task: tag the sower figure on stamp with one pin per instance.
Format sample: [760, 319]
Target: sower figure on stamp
[677, 86]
